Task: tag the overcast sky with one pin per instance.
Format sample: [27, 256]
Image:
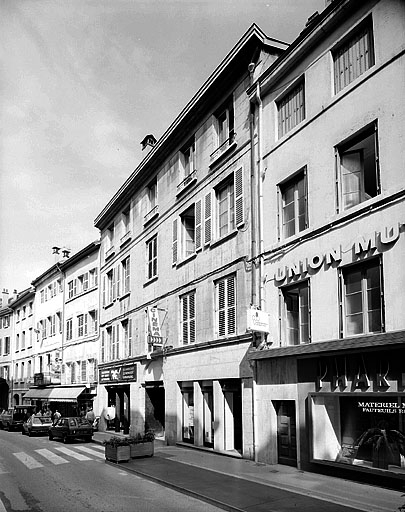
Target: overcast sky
[82, 82]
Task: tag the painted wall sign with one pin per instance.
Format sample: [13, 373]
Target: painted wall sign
[363, 244]
[118, 374]
[382, 407]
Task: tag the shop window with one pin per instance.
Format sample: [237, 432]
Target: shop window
[354, 55]
[188, 415]
[187, 323]
[358, 172]
[361, 306]
[296, 315]
[294, 214]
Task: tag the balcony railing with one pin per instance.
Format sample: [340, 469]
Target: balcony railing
[125, 238]
[226, 146]
[151, 214]
[109, 252]
[187, 182]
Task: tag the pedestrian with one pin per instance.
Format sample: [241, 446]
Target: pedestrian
[90, 416]
[56, 416]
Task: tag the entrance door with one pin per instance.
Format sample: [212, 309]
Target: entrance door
[208, 417]
[232, 414]
[286, 432]
[155, 408]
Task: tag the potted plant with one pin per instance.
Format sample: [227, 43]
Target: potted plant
[142, 445]
[117, 449]
[386, 444]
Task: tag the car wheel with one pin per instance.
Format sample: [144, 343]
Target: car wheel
[87, 439]
[50, 436]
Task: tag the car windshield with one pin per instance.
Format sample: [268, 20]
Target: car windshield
[41, 420]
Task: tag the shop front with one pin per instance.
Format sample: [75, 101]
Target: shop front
[68, 400]
[116, 380]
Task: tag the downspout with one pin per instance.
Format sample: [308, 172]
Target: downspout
[260, 177]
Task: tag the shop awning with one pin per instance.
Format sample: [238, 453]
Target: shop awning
[65, 394]
[38, 394]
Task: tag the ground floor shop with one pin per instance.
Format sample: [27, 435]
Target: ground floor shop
[199, 397]
[342, 408]
[68, 400]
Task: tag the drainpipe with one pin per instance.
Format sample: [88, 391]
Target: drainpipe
[253, 210]
[260, 177]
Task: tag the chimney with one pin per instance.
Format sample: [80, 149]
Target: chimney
[148, 142]
[4, 298]
[56, 254]
[65, 253]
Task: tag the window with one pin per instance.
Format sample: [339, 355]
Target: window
[85, 281]
[102, 347]
[23, 340]
[187, 220]
[362, 298]
[294, 205]
[354, 56]
[42, 294]
[151, 255]
[187, 320]
[17, 343]
[188, 159]
[1, 347]
[30, 337]
[126, 221]
[291, 109]
[18, 315]
[24, 310]
[226, 306]
[296, 314]
[81, 325]
[93, 277]
[73, 373]
[224, 124]
[52, 322]
[126, 276]
[93, 321]
[357, 166]
[84, 371]
[110, 286]
[226, 208]
[69, 329]
[110, 236]
[30, 308]
[114, 342]
[7, 345]
[152, 194]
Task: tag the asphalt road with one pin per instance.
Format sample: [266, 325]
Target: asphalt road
[39, 475]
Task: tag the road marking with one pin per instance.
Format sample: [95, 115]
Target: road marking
[52, 457]
[90, 451]
[71, 453]
[27, 460]
[2, 471]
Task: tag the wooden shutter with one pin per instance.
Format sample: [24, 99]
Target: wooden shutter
[117, 341]
[174, 241]
[239, 209]
[231, 305]
[208, 218]
[130, 337]
[191, 309]
[117, 281]
[102, 355]
[221, 301]
[198, 225]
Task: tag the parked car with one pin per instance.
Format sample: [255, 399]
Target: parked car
[36, 425]
[68, 428]
[13, 419]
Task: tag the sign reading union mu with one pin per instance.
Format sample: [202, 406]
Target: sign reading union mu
[363, 244]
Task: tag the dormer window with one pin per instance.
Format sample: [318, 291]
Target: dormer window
[224, 126]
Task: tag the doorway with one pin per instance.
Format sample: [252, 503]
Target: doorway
[155, 408]
[286, 432]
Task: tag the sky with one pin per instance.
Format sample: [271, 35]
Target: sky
[81, 83]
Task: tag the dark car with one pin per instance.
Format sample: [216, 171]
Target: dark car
[70, 428]
[13, 419]
[37, 425]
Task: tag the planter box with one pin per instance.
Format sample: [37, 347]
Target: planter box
[142, 450]
[117, 453]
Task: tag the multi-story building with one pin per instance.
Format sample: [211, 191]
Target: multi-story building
[23, 343]
[330, 120]
[6, 325]
[176, 271]
[79, 351]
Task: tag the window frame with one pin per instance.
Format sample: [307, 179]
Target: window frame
[362, 267]
[229, 310]
[286, 292]
[152, 258]
[287, 118]
[187, 318]
[292, 182]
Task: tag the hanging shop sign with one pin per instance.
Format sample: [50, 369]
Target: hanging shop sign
[258, 320]
[376, 241]
[155, 333]
[118, 374]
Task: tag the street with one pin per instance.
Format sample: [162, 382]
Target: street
[46, 476]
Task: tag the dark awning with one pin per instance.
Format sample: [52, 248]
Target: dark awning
[38, 394]
[65, 394]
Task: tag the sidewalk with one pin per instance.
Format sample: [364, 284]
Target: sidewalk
[243, 485]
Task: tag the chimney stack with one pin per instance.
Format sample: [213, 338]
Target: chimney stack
[148, 142]
[4, 298]
[65, 253]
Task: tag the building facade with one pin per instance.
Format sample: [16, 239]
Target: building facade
[23, 344]
[6, 330]
[176, 272]
[331, 127]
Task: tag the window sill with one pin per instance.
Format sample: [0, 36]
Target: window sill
[80, 294]
[126, 295]
[223, 238]
[188, 181]
[150, 281]
[109, 253]
[151, 215]
[109, 305]
[221, 153]
[126, 238]
[186, 260]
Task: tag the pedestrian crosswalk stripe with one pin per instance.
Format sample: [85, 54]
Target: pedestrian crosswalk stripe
[71, 453]
[52, 457]
[3, 469]
[27, 460]
[90, 451]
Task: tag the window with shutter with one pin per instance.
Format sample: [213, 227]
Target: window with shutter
[354, 56]
[151, 254]
[207, 218]
[297, 314]
[187, 327]
[239, 207]
[226, 306]
[174, 242]
[294, 213]
[291, 109]
[198, 225]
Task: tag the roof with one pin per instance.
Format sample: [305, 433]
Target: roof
[221, 79]
[22, 297]
[83, 253]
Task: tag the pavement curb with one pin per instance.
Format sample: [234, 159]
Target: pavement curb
[183, 490]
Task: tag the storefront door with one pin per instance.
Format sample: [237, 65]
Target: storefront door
[286, 432]
[208, 417]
